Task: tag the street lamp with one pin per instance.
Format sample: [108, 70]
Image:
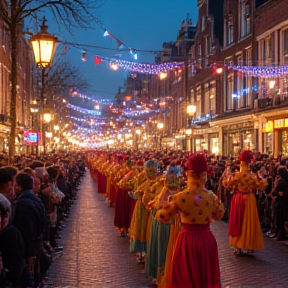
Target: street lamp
[43, 45]
[46, 118]
[160, 126]
[191, 110]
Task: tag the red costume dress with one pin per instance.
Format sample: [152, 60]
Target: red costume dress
[195, 260]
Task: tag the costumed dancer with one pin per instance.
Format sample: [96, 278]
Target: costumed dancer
[138, 226]
[120, 218]
[195, 260]
[245, 232]
[159, 240]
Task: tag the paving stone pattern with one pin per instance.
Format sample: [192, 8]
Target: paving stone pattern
[95, 256]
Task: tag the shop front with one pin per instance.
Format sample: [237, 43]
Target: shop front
[207, 140]
[239, 137]
[281, 136]
[268, 137]
[4, 136]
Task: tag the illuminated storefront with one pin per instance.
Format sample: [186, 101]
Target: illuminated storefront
[239, 137]
[281, 135]
[267, 130]
[214, 144]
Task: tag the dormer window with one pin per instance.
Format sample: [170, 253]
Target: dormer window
[230, 29]
[245, 19]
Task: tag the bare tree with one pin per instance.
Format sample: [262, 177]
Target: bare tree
[70, 13]
[61, 77]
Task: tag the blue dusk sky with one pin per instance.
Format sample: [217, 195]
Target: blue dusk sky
[140, 24]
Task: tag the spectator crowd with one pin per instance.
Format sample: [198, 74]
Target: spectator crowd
[35, 199]
[36, 194]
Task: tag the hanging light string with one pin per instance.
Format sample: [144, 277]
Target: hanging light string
[144, 68]
[83, 110]
[120, 44]
[262, 71]
[107, 48]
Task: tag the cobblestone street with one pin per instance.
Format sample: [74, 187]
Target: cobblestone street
[95, 256]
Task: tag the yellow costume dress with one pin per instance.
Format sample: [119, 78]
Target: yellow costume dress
[245, 232]
[138, 226]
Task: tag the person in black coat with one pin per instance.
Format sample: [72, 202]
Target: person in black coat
[28, 216]
[11, 248]
[281, 202]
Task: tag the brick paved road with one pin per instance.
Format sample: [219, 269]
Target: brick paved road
[95, 256]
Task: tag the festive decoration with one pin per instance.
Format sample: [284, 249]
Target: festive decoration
[97, 60]
[146, 68]
[119, 44]
[197, 163]
[114, 65]
[247, 156]
[74, 93]
[84, 53]
[262, 71]
[83, 110]
[143, 68]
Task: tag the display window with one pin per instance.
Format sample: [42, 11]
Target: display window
[268, 143]
[284, 138]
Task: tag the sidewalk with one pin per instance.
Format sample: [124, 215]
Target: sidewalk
[94, 255]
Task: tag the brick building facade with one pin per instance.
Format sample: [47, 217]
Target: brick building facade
[25, 89]
[234, 110]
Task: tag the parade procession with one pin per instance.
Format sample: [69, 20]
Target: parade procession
[163, 206]
[144, 144]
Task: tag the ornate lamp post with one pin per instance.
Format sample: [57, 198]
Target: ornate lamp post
[160, 127]
[43, 45]
[191, 110]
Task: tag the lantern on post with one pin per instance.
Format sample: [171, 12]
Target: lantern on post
[43, 45]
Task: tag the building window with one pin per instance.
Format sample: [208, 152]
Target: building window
[199, 54]
[192, 96]
[247, 80]
[209, 99]
[285, 48]
[206, 99]
[203, 23]
[240, 89]
[230, 91]
[212, 97]
[207, 49]
[244, 18]
[230, 30]
[198, 102]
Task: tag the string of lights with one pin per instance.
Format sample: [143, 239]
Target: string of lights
[262, 71]
[83, 110]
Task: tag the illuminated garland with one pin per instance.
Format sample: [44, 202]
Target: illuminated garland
[83, 110]
[143, 68]
[134, 113]
[146, 68]
[262, 71]
[74, 92]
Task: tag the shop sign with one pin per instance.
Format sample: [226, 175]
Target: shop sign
[32, 137]
[281, 123]
[268, 127]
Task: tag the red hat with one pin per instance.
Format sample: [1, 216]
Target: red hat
[247, 156]
[197, 163]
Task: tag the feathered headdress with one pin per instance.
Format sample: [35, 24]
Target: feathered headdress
[247, 156]
[197, 163]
